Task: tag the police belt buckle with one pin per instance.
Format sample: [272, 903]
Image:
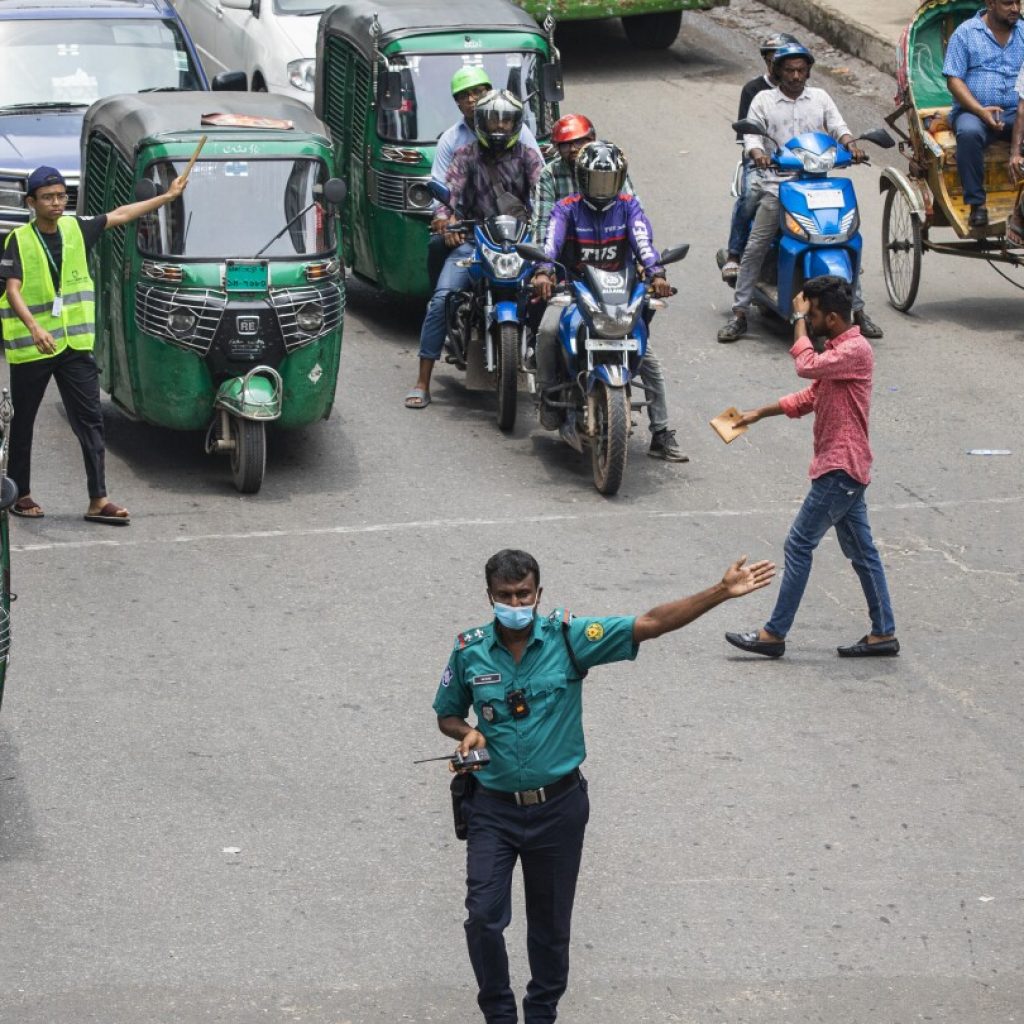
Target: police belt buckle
[529, 797]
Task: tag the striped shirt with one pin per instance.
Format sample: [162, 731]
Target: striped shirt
[840, 398]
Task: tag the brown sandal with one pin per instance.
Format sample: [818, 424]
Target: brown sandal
[111, 514]
[27, 508]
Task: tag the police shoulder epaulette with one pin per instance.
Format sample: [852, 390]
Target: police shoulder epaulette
[471, 636]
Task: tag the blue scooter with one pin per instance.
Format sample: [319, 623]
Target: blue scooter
[602, 340]
[491, 312]
[818, 217]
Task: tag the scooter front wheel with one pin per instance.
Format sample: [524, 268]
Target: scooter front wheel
[611, 437]
[506, 374]
[249, 454]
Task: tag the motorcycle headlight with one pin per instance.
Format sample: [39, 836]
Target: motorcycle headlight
[504, 265]
[181, 322]
[302, 74]
[310, 317]
[611, 321]
[815, 163]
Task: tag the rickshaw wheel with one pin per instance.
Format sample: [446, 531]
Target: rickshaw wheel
[507, 374]
[611, 437]
[249, 455]
[901, 250]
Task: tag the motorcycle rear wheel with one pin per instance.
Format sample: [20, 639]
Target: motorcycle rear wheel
[506, 374]
[609, 445]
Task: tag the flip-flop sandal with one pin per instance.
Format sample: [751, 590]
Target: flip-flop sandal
[1014, 232]
[27, 509]
[109, 514]
[417, 399]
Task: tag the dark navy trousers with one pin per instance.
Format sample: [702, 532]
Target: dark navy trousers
[548, 840]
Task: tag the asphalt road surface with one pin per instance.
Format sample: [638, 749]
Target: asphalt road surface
[208, 811]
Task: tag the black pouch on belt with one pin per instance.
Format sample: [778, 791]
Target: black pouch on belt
[462, 787]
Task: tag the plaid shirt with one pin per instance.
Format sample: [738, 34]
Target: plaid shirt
[988, 69]
[557, 182]
[517, 170]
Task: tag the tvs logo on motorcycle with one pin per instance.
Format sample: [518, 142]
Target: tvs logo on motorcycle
[247, 324]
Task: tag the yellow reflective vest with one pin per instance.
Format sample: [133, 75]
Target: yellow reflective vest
[75, 325]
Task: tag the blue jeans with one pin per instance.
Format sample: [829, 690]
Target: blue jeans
[453, 278]
[973, 136]
[835, 499]
[742, 213]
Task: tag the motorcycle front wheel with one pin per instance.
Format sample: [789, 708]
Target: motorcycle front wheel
[506, 374]
[611, 436]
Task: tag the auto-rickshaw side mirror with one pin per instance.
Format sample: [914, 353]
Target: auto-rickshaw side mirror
[230, 81]
[146, 188]
[391, 90]
[335, 191]
[552, 88]
[439, 192]
[8, 493]
[880, 137]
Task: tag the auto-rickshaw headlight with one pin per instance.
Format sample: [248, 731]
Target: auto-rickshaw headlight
[419, 196]
[181, 322]
[310, 317]
[302, 74]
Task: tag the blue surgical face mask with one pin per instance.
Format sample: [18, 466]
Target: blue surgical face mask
[514, 616]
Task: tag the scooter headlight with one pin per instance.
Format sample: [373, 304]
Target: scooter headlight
[181, 322]
[506, 266]
[310, 317]
[817, 163]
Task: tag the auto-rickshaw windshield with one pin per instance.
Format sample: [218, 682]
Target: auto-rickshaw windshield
[231, 207]
[427, 108]
[78, 60]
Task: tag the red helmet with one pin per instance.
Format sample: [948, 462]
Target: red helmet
[570, 128]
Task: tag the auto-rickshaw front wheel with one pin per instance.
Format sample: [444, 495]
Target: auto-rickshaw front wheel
[248, 454]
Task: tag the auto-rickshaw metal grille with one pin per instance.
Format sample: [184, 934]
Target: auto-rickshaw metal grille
[288, 302]
[153, 307]
[391, 191]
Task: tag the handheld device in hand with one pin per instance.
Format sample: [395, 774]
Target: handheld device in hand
[472, 758]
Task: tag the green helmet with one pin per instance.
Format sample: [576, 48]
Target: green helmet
[469, 78]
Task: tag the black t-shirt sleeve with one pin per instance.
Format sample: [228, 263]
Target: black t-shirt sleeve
[10, 264]
[750, 90]
[92, 228]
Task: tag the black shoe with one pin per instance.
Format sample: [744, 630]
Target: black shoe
[663, 446]
[978, 217]
[867, 326]
[862, 649]
[750, 643]
[734, 329]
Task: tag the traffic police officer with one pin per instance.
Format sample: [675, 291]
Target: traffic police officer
[521, 673]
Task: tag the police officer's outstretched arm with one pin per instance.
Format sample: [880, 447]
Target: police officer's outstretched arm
[739, 579]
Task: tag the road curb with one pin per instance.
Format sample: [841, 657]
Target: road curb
[837, 28]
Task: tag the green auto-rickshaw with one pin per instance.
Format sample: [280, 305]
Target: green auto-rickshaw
[223, 308]
[383, 88]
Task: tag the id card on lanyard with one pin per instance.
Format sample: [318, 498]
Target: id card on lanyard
[58, 300]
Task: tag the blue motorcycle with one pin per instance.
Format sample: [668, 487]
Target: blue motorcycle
[488, 319]
[602, 340]
[818, 217]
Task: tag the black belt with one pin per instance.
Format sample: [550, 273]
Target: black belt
[529, 797]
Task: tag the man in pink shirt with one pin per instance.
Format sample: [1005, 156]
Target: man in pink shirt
[840, 398]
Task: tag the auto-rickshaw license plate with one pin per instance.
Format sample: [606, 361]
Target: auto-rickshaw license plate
[246, 275]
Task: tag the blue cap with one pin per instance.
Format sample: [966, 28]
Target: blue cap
[43, 176]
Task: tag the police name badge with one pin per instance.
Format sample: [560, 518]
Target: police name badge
[491, 677]
[594, 631]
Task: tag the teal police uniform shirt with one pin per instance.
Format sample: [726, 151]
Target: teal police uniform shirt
[530, 752]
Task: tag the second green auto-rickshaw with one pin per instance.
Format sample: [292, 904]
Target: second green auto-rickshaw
[383, 88]
[224, 308]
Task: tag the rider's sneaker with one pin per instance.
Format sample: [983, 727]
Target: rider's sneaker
[734, 329]
[867, 326]
[663, 446]
[730, 271]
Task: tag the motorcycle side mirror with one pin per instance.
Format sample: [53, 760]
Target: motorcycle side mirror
[675, 254]
[335, 191]
[880, 137]
[552, 88]
[439, 192]
[532, 252]
[748, 127]
[230, 81]
[8, 493]
[146, 188]
[391, 91]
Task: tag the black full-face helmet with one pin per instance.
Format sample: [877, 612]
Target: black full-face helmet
[498, 120]
[600, 173]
